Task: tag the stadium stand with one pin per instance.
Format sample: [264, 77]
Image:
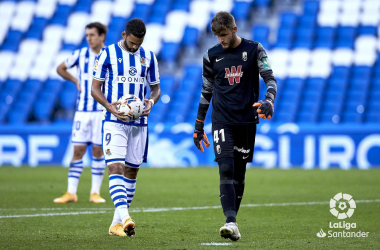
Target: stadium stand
[325, 56]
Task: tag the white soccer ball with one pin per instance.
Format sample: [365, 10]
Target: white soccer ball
[132, 107]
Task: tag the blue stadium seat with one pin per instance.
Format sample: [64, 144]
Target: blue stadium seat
[194, 72]
[340, 72]
[12, 86]
[373, 117]
[307, 21]
[36, 29]
[325, 37]
[310, 7]
[288, 19]
[261, 3]
[19, 113]
[69, 47]
[367, 30]
[346, 35]
[289, 95]
[359, 84]
[337, 84]
[190, 37]
[260, 33]
[83, 6]
[113, 36]
[141, 11]
[312, 96]
[283, 117]
[307, 117]
[53, 86]
[361, 72]
[352, 117]
[356, 97]
[61, 14]
[32, 85]
[167, 85]
[117, 24]
[335, 95]
[241, 11]
[12, 41]
[169, 51]
[68, 99]
[374, 96]
[159, 11]
[327, 117]
[181, 5]
[315, 83]
[331, 106]
[294, 84]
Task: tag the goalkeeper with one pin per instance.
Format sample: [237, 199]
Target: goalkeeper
[231, 72]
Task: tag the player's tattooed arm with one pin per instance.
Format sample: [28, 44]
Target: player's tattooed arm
[266, 73]
[98, 95]
[154, 96]
[207, 88]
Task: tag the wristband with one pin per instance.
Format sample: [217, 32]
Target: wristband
[151, 102]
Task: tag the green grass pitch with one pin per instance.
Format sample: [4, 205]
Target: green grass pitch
[30, 220]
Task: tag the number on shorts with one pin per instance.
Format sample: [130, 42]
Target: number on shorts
[108, 138]
[216, 136]
[77, 125]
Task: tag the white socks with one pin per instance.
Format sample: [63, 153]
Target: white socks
[97, 169]
[75, 171]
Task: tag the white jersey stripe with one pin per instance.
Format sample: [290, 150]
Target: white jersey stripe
[84, 60]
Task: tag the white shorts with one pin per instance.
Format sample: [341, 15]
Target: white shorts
[87, 128]
[125, 144]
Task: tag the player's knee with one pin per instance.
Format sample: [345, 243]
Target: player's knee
[79, 152]
[116, 168]
[239, 182]
[131, 173]
[97, 152]
[226, 168]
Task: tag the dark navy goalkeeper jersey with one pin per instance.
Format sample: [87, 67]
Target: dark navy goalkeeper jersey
[231, 76]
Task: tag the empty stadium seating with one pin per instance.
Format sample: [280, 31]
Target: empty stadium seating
[325, 57]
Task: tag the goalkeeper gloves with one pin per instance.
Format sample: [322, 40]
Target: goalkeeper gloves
[265, 108]
[199, 135]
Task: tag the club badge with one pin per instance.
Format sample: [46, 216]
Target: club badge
[245, 56]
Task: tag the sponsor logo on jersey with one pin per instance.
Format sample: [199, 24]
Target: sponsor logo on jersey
[218, 149]
[234, 75]
[132, 71]
[245, 56]
[130, 79]
[242, 150]
[119, 60]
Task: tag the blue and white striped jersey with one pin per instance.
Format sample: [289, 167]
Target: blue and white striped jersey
[124, 73]
[84, 60]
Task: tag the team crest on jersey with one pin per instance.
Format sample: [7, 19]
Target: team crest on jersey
[142, 60]
[132, 71]
[108, 152]
[234, 75]
[245, 57]
[96, 65]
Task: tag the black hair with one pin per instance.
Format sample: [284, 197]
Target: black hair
[136, 27]
[102, 29]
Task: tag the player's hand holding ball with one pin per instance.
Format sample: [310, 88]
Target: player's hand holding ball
[265, 108]
[148, 106]
[199, 135]
[129, 108]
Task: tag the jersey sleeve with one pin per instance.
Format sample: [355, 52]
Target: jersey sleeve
[101, 67]
[153, 76]
[207, 87]
[266, 71]
[73, 60]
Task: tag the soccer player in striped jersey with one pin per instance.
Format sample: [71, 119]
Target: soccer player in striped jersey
[125, 68]
[88, 117]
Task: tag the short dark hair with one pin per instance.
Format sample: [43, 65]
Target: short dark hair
[222, 20]
[136, 27]
[102, 29]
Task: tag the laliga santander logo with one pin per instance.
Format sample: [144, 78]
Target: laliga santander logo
[338, 206]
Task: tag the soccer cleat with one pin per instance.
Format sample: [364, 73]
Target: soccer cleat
[129, 227]
[230, 231]
[117, 230]
[67, 197]
[95, 198]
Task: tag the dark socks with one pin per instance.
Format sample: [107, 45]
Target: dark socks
[227, 190]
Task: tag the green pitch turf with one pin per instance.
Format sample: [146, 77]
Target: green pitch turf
[194, 192]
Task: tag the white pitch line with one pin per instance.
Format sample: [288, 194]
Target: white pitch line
[152, 210]
[52, 214]
[216, 244]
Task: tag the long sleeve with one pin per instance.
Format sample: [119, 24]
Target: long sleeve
[207, 88]
[266, 71]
